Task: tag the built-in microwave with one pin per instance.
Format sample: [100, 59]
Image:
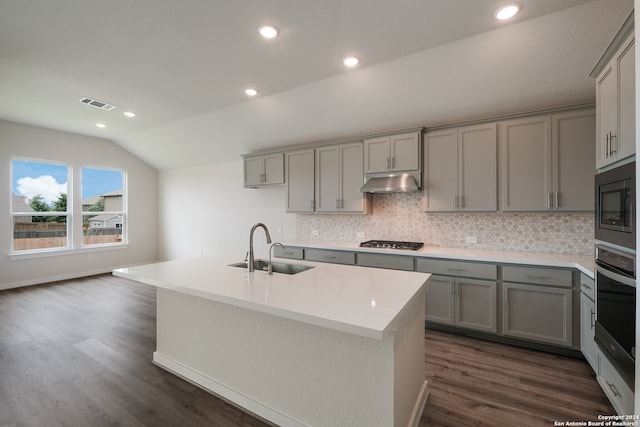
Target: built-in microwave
[615, 206]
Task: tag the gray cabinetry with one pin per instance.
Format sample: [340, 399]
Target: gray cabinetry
[324, 255]
[615, 98]
[339, 176]
[546, 162]
[540, 307]
[300, 173]
[392, 262]
[461, 169]
[390, 153]
[265, 169]
[588, 345]
[288, 252]
[457, 299]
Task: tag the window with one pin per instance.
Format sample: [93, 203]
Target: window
[45, 218]
[39, 212]
[103, 211]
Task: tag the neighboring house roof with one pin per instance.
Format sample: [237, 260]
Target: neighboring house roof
[104, 217]
[20, 203]
[114, 193]
[91, 200]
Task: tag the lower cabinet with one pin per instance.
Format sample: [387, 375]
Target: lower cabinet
[618, 392]
[588, 345]
[467, 303]
[537, 313]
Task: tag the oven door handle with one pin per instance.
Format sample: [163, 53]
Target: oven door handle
[607, 272]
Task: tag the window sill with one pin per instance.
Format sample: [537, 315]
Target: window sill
[66, 252]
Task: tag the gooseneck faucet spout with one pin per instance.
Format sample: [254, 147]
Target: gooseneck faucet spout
[266, 231]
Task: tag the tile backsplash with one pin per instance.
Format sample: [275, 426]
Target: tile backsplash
[399, 216]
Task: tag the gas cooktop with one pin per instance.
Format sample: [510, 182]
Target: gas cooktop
[391, 244]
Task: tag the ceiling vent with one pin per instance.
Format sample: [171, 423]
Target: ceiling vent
[98, 104]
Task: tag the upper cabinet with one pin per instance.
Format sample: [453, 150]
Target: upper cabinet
[391, 153]
[615, 98]
[339, 175]
[460, 168]
[300, 171]
[547, 162]
[265, 169]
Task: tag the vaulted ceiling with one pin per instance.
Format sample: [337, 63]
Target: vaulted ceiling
[182, 66]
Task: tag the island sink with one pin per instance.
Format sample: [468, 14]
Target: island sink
[278, 267]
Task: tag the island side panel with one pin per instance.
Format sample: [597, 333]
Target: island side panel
[411, 389]
[308, 374]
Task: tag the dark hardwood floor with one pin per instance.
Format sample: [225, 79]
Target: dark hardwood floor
[78, 353]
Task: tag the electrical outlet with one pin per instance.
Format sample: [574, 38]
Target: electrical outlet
[315, 233]
[360, 234]
[471, 239]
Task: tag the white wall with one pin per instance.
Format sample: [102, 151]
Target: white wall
[206, 209]
[21, 140]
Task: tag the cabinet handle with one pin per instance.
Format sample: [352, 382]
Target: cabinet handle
[461, 201]
[548, 202]
[388, 162]
[585, 286]
[341, 203]
[263, 177]
[329, 257]
[593, 319]
[613, 388]
[606, 146]
[337, 203]
[612, 137]
[393, 163]
[313, 204]
[455, 202]
[555, 200]
[456, 269]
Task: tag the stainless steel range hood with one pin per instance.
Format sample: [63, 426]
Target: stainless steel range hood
[392, 183]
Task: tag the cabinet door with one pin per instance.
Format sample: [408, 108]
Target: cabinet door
[478, 168]
[377, 155]
[525, 147]
[606, 101]
[300, 180]
[253, 171]
[573, 160]
[625, 142]
[327, 178]
[475, 304]
[588, 344]
[440, 300]
[440, 171]
[405, 151]
[273, 169]
[351, 178]
[537, 313]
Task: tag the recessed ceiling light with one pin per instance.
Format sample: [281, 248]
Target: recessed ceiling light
[350, 61]
[101, 125]
[251, 91]
[506, 12]
[129, 114]
[268, 31]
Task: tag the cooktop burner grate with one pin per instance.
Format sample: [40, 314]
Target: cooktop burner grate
[391, 244]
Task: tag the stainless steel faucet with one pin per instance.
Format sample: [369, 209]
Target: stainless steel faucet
[270, 268]
[266, 231]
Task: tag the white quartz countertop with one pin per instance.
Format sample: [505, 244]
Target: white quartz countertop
[585, 264]
[356, 300]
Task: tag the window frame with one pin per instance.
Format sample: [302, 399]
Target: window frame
[74, 214]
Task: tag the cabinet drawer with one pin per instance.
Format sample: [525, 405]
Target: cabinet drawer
[618, 392]
[336, 257]
[457, 268]
[287, 252]
[588, 286]
[393, 262]
[537, 275]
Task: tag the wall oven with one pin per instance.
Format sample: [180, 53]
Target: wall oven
[615, 206]
[615, 329]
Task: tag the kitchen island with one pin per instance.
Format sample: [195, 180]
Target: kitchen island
[332, 345]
